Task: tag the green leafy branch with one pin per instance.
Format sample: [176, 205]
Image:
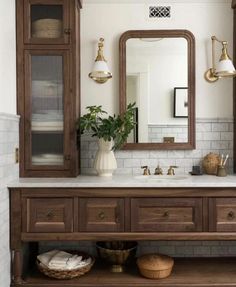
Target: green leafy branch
[113, 127]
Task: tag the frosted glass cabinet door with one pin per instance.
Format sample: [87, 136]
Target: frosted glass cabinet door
[47, 21]
[47, 141]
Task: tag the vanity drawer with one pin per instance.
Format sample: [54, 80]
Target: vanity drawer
[48, 215]
[222, 213]
[166, 214]
[101, 214]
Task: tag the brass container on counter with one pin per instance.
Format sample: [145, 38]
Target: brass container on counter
[116, 253]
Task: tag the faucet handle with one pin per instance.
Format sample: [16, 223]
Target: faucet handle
[146, 170]
[171, 170]
[158, 171]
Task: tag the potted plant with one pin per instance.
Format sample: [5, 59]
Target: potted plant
[111, 131]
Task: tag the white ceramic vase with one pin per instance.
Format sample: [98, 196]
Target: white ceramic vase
[105, 161]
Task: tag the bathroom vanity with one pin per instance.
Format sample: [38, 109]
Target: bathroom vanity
[124, 208]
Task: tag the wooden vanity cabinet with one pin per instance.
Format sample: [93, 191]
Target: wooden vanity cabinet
[48, 86]
[74, 214]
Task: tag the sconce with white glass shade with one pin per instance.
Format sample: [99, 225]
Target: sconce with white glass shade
[222, 69]
[100, 72]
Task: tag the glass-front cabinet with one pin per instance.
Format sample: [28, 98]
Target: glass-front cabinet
[48, 86]
[45, 109]
[47, 21]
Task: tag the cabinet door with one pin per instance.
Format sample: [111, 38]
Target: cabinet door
[222, 214]
[47, 111]
[48, 215]
[101, 214]
[166, 214]
[46, 22]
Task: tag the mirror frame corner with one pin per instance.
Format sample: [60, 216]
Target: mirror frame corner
[191, 143]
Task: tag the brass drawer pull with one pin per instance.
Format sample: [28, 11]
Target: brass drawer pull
[50, 215]
[231, 215]
[101, 215]
[166, 214]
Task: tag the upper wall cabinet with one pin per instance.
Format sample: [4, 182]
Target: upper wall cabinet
[48, 78]
[47, 21]
[157, 71]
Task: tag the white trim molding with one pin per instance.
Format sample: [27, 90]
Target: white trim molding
[10, 117]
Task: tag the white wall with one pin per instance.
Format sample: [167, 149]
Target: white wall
[165, 63]
[7, 57]
[110, 19]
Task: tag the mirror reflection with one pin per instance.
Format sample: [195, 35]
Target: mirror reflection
[157, 80]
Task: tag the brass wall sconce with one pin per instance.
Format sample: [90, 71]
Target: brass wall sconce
[224, 68]
[100, 72]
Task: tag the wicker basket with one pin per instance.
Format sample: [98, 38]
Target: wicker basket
[155, 266]
[47, 28]
[66, 274]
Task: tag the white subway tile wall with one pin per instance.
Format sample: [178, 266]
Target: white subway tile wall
[156, 133]
[171, 248]
[9, 140]
[212, 135]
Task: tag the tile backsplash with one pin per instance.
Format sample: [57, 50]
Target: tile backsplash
[9, 140]
[171, 248]
[212, 135]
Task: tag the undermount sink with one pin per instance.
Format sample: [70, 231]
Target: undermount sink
[153, 178]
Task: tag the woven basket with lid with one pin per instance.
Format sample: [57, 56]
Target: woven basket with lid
[155, 266]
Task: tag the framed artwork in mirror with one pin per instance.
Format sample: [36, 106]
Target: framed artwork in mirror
[180, 102]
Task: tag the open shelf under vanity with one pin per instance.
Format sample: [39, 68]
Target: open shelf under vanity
[207, 272]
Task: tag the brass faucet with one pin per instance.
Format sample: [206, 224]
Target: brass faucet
[146, 170]
[158, 171]
[171, 170]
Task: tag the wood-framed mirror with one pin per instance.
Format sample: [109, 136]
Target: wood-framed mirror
[157, 71]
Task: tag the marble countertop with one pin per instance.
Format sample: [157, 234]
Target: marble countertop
[86, 181]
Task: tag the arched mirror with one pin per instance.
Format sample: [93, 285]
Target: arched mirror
[157, 71]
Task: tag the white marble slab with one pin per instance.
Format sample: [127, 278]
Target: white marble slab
[126, 181]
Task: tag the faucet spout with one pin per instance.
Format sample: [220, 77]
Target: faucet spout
[146, 170]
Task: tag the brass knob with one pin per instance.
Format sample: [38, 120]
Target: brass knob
[67, 157]
[50, 215]
[166, 214]
[101, 215]
[231, 215]
[67, 31]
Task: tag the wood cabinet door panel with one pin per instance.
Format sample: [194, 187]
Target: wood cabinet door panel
[101, 214]
[222, 214]
[48, 215]
[166, 214]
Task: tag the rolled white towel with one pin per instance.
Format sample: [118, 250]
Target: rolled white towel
[61, 260]
[45, 258]
[64, 260]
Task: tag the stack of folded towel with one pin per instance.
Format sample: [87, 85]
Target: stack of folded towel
[61, 260]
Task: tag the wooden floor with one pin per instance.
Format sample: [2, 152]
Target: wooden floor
[186, 273]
